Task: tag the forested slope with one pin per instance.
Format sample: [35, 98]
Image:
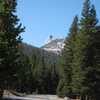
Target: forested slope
[30, 51]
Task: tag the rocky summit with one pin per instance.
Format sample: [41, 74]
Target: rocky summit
[54, 45]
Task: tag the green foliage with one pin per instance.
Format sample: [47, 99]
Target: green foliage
[51, 79]
[25, 68]
[30, 51]
[80, 58]
[9, 40]
[66, 60]
[36, 74]
[61, 92]
[39, 74]
[84, 63]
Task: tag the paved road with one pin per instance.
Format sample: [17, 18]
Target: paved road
[34, 97]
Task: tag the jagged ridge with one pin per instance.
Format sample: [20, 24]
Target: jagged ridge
[55, 45]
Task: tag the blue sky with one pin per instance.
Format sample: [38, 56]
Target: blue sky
[48, 17]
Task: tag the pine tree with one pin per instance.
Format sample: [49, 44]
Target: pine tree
[24, 75]
[54, 78]
[94, 56]
[9, 40]
[51, 79]
[66, 60]
[94, 73]
[39, 75]
[83, 64]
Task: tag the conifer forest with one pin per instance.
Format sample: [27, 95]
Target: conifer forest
[73, 73]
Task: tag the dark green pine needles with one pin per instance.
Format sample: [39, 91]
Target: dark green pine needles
[9, 40]
[80, 59]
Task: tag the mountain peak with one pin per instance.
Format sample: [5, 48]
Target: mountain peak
[54, 45]
[49, 39]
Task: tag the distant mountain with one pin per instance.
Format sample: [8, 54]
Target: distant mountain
[54, 45]
[50, 38]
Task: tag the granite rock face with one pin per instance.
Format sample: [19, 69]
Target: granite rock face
[54, 45]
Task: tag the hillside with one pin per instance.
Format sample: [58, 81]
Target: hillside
[30, 50]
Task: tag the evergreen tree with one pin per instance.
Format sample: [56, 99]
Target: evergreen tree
[39, 75]
[54, 79]
[94, 57]
[66, 60]
[51, 79]
[38, 69]
[83, 64]
[24, 76]
[9, 40]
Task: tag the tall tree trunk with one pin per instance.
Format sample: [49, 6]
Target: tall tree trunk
[86, 98]
[77, 97]
[90, 98]
[80, 98]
